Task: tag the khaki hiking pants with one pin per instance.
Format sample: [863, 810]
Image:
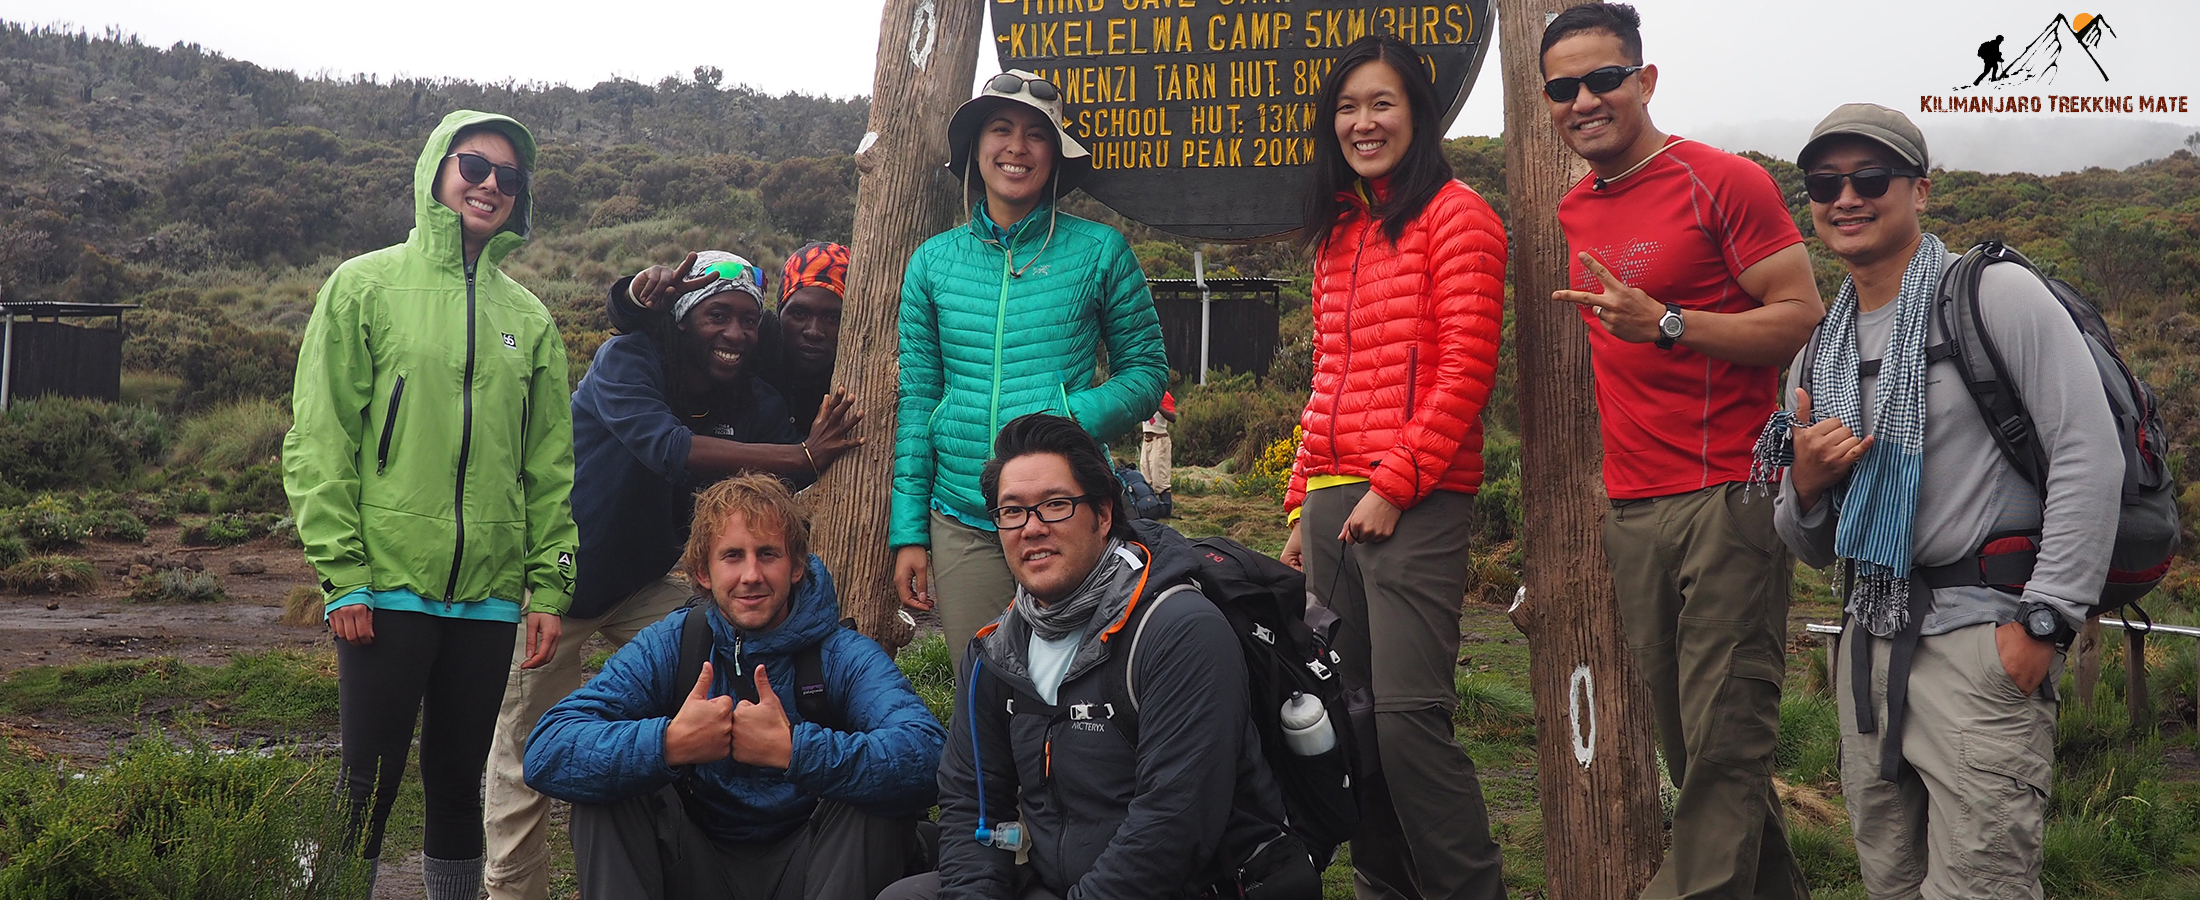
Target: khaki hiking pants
[970, 582]
[516, 818]
[1424, 832]
[1702, 583]
[1966, 818]
[1156, 460]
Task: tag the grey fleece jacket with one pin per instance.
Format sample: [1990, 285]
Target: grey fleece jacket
[1967, 490]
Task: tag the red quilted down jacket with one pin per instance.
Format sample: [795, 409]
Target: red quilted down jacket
[1405, 350]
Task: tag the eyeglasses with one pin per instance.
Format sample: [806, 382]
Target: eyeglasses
[1050, 511]
[1012, 83]
[475, 168]
[1825, 187]
[1563, 90]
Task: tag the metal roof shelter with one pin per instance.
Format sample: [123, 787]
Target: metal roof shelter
[41, 354]
[1225, 323]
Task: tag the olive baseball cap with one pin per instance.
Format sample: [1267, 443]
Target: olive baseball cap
[1872, 122]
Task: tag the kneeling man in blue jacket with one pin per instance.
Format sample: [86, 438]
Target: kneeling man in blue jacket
[716, 785]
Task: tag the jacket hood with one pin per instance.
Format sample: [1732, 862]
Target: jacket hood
[435, 226]
[814, 616]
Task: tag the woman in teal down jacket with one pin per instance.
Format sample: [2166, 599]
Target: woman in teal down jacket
[1003, 316]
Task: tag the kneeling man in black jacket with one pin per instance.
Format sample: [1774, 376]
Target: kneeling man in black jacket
[1104, 729]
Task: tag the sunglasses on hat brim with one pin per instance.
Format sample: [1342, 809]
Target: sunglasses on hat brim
[475, 168]
[1564, 90]
[1825, 187]
[1012, 83]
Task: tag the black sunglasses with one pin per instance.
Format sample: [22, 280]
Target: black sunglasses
[1563, 90]
[1825, 187]
[475, 168]
[1010, 518]
[1011, 83]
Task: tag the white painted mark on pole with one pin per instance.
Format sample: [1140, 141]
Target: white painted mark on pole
[924, 31]
[869, 138]
[1519, 596]
[1582, 693]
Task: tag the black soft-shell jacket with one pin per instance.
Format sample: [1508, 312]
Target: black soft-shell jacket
[1106, 819]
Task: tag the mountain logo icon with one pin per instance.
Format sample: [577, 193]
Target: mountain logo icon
[2066, 43]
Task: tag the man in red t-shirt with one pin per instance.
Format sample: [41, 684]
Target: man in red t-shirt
[1695, 288]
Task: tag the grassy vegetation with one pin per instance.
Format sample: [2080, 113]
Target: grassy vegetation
[277, 691]
[162, 820]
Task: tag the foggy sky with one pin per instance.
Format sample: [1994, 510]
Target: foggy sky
[1742, 75]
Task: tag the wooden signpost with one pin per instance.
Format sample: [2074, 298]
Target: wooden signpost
[1595, 767]
[1196, 111]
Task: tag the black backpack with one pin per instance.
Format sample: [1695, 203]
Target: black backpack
[2147, 530]
[1287, 645]
[1139, 496]
[809, 670]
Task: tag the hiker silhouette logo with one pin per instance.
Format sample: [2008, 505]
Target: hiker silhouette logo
[2066, 44]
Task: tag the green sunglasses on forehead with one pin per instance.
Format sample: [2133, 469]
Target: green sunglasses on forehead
[734, 271]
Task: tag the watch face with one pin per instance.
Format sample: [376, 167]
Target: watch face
[1670, 326]
[2040, 623]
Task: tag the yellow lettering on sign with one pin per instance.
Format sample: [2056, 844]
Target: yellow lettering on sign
[1213, 42]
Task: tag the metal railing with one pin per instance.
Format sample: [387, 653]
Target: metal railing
[2136, 697]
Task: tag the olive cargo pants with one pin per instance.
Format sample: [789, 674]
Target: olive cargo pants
[1702, 583]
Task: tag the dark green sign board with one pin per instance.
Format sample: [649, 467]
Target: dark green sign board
[1196, 111]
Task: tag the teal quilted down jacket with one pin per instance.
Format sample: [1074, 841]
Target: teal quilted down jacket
[981, 345]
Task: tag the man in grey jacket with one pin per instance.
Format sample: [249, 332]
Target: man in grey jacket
[1965, 586]
[1105, 730]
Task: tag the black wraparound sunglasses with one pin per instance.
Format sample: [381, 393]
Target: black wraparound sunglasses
[1825, 187]
[475, 168]
[1563, 90]
[1011, 83]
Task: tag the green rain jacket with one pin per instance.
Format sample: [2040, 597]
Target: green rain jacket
[982, 344]
[431, 448]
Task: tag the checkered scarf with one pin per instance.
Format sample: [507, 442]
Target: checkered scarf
[1877, 503]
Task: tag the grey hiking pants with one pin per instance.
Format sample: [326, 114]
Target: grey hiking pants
[1424, 832]
[647, 847]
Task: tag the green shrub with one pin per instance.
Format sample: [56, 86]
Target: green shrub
[195, 500]
[161, 820]
[221, 530]
[1270, 475]
[47, 523]
[1232, 416]
[259, 488]
[180, 585]
[62, 442]
[12, 551]
[51, 575]
[120, 525]
[231, 437]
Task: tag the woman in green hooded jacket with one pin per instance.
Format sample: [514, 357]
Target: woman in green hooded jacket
[1003, 316]
[429, 465]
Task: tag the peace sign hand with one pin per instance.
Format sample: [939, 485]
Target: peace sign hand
[1627, 312]
[656, 287]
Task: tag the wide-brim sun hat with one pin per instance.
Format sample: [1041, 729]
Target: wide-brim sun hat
[1072, 161]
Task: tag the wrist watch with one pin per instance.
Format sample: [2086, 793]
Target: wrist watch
[2043, 623]
[1670, 327]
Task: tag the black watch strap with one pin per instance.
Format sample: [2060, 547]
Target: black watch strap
[1665, 341]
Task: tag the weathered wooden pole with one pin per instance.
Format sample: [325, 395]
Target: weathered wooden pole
[2137, 700]
[927, 60]
[1596, 771]
[2089, 660]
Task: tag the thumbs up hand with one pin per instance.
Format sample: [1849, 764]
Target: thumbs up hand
[1825, 451]
[703, 730]
[761, 734]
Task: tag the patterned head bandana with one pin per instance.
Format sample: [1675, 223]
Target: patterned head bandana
[734, 274]
[817, 264]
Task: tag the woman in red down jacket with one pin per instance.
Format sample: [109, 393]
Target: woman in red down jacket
[1408, 302]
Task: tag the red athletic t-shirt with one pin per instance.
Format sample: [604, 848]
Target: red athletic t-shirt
[1683, 229]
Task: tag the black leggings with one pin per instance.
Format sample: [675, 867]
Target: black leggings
[458, 667]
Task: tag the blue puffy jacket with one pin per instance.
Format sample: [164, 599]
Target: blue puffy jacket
[606, 742]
